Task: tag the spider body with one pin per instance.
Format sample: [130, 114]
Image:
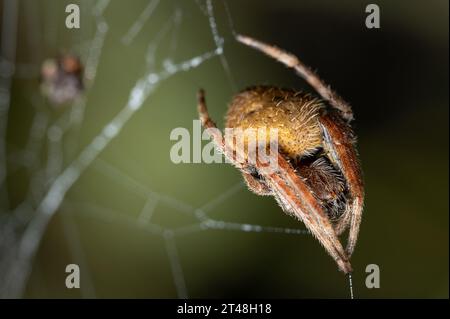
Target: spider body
[293, 114]
[296, 116]
[318, 177]
[62, 79]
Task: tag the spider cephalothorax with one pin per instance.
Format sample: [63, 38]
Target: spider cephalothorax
[318, 178]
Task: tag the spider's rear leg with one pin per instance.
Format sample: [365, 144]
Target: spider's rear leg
[340, 145]
[305, 72]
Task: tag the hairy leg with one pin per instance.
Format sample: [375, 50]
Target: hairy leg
[305, 72]
[339, 143]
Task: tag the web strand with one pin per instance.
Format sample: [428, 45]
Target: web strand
[7, 67]
[350, 285]
[139, 24]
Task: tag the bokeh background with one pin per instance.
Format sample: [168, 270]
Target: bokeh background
[396, 78]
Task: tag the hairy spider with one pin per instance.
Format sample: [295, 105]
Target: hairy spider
[318, 178]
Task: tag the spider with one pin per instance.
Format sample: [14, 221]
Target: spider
[318, 178]
[62, 79]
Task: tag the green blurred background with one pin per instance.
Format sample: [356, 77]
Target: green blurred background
[395, 77]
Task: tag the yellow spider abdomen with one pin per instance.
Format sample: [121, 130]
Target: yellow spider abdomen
[293, 114]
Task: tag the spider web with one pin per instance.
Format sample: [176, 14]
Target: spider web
[23, 228]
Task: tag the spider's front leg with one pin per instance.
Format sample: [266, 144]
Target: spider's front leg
[208, 123]
[254, 183]
[296, 196]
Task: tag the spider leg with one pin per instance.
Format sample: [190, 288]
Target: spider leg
[212, 129]
[215, 133]
[255, 185]
[297, 197]
[339, 143]
[305, 72]
[344, 221]
[207, 122]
